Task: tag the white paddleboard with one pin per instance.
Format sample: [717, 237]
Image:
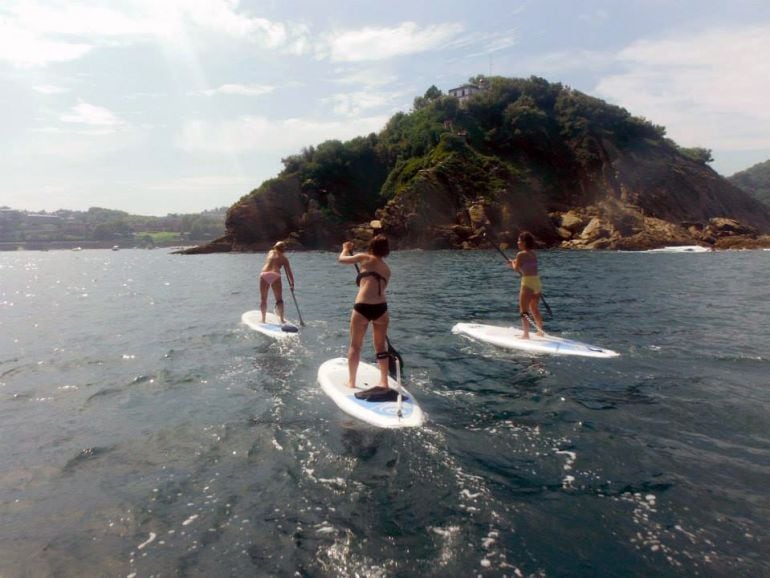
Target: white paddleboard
[272, 326]
[679, 249]
[333, 377]
[510, 337]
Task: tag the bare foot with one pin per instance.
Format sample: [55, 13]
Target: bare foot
[541, 333]
[350, 386]
[525, 336]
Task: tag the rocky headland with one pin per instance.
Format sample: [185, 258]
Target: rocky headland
[520, 154]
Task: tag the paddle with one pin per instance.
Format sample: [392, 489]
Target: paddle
[302, 323]
[499, 250]
[399, 404]
[395, 361]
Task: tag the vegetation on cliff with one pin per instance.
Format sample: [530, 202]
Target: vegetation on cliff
[520, 153]
[755, 180]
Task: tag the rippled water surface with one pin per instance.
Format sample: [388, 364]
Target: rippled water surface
[145, 431]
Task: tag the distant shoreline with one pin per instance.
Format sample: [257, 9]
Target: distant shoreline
[69, 245]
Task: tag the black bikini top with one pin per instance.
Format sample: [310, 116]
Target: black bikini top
[380, 279]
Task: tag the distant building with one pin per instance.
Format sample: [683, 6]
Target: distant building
[42, 218]
[464, 92]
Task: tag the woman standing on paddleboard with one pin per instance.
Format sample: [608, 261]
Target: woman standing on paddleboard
[525, 263]
[271, 277]
[370, 305]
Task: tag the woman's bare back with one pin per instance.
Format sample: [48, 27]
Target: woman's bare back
[274, 261]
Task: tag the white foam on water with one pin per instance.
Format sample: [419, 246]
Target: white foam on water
[335, 483]
[148, 541]
[450, 537]
[490, 540]
[325, 528]
[339, 560]
[651, 533]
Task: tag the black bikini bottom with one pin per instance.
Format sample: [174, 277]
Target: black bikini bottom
[371, 311]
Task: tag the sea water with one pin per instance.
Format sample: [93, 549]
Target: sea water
[147, 432]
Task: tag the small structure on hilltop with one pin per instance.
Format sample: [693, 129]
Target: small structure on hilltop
[464, 92]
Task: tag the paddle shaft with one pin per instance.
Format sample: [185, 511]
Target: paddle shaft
[302, 323]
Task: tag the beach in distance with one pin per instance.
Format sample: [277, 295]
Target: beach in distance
[147, 431]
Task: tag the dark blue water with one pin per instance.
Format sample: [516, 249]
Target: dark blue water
[146, 432]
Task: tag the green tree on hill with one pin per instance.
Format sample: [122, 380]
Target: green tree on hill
[755, 180]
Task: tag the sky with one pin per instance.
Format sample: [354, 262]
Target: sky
[179, 106]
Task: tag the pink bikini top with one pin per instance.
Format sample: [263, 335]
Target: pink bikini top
[528, 268]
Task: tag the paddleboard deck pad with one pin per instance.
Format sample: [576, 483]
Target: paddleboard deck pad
[272, 326]
[510, 337]
[378, 406]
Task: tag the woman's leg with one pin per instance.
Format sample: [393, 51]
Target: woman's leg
[380, 339]
[278, 292]
[535, 310]
[523, 310]
[358, 325]
[263, 288]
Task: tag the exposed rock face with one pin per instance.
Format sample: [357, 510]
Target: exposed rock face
[649, 202]
[262, 219]
[640, 200]
[668, 186]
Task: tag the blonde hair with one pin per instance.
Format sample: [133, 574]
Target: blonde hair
[280, 246]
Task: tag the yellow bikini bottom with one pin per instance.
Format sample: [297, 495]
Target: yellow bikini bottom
[532, 282]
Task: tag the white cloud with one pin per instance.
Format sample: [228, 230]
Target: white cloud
[24, 48]
[201, 184]
[709, 89]
[36, 34]
[89, 114]
[259, 134]
[482, 44]
[81, 144]
[76, 19]
[353, 104]
[561, 62]
[49, 89]
[240, 89]
[382, 43]
[597, 17]
[367, 77]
